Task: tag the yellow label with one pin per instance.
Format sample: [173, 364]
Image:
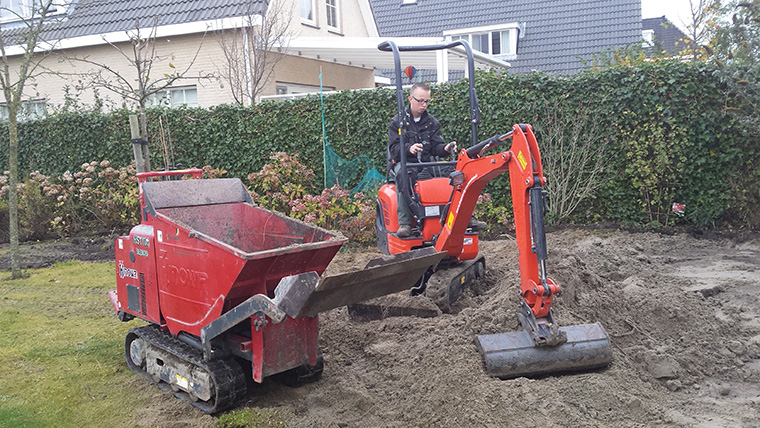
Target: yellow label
[182, 382]
[521, 160]
[450, 220]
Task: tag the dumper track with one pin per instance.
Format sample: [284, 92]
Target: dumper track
[227, 378]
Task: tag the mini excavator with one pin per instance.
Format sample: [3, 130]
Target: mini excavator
[442, 208]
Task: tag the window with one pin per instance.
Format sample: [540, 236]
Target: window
[307, 12]
[295, 88]
[493, 40]
[14, 10]
[332, 14]
[175, 97]
[30, 110]
[648, 38]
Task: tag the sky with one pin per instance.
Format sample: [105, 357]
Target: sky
[675, 10]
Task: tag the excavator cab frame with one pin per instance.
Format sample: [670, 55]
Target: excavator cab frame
[403, 179]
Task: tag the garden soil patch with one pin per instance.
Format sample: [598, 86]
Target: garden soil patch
[682, 312]
[34, 255]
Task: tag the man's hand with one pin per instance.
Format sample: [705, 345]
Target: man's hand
[451, 147]
[416, 148]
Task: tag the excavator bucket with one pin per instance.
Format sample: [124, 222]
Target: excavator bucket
[515, 354]
[307, 294]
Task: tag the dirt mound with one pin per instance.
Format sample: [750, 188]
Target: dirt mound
[682, 314]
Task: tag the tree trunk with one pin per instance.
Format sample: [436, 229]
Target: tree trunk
[13, 194]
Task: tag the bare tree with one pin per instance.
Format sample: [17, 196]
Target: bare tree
[252, 51]
[18, 69]
[142, 57]
[703, 21]
[574, 152]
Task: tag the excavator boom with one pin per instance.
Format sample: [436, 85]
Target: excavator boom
[542, 346]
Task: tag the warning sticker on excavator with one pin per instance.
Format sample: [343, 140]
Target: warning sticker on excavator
[521, 160]
[182, 382]
[450, 220]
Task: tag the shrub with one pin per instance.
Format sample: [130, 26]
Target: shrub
[280, 182]
[500, 217]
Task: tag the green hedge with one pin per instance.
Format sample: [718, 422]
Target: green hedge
[664, 123]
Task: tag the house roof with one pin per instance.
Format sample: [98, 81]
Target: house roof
[666, 35]
[99, 17]
[557, 33]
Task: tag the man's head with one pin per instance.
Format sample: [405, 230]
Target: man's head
[419, 98]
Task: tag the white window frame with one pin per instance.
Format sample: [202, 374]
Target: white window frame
[336, 8]
[58, 7]
[287, 88]
[466, 33]
[168, 97]
[647, 37]
[30, 110]
[306, 20]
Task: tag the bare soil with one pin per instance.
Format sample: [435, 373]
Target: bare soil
[683, 314]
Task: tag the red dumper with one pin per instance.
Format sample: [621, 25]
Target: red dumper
[225, 285]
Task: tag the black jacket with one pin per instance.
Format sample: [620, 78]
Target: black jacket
[427, 131]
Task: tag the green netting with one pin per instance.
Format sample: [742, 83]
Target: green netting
[357, 174]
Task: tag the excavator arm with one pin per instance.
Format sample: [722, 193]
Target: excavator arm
[523, 161]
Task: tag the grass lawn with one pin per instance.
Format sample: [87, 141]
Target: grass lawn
[61, 351]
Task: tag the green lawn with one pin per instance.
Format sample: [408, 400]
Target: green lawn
[62, 355]
[61, 350]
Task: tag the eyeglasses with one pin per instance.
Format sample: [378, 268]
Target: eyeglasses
[421, 101]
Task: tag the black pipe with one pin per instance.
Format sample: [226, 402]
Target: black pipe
[189, 339]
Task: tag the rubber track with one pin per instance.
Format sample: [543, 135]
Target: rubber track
[227, 376]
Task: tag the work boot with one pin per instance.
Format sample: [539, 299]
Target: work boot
[477, 224]
[404, 231]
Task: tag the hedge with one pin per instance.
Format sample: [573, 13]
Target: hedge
[665, 127]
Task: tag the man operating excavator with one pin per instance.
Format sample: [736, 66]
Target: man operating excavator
[424, 141]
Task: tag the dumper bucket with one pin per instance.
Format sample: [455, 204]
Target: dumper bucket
[515, 354]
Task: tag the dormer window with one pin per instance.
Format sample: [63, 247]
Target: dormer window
[497, 40]
[647, 37]
[17, 10]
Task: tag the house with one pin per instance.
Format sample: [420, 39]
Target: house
[551, 35]
[188, 36]
[661, 34]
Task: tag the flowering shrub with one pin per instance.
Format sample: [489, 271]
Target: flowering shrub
[282, 181]
[499, 217]
[336, 209]
[97, 198]
[100, 198]
[285, 186]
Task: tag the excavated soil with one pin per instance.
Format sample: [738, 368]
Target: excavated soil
[682, 312]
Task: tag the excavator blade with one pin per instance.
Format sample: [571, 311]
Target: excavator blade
[515, 354]
[307, 294]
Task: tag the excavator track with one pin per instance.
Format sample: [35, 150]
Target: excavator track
[175, 366]
[445, 286]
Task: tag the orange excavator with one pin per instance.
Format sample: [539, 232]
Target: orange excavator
[442, 208]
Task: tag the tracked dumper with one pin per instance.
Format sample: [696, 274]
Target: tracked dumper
[224, 284]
